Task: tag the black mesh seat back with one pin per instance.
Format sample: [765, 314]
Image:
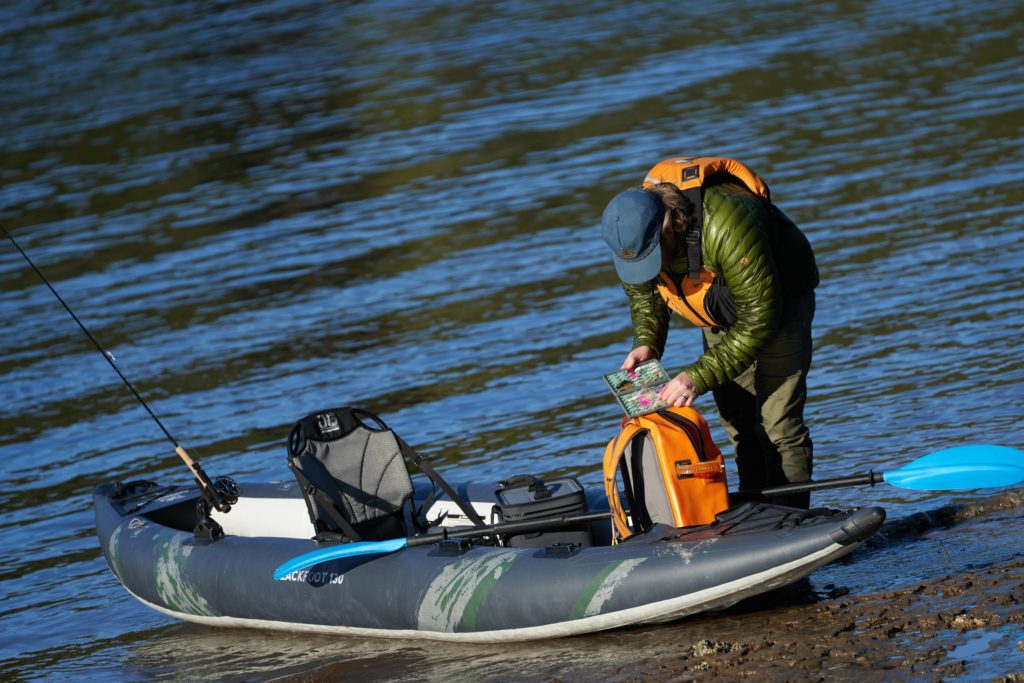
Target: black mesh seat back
[351, 470]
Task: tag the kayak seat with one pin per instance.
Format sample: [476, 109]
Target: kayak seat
[353, 475]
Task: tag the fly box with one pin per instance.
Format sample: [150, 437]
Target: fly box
[525, 497]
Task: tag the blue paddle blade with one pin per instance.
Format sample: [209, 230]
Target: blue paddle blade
[961, 467]
[336, 552]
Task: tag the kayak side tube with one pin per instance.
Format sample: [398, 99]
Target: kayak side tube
[461, 591]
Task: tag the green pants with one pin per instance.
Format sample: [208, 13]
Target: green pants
[762, 410]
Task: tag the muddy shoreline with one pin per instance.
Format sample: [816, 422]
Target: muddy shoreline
[961, 625]
[912, 633]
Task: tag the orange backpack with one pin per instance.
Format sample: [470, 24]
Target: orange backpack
[671, 470]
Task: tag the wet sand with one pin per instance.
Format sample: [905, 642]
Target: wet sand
[969, 625]
[966, 625]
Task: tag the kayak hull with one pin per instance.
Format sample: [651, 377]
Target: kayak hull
[457, 591]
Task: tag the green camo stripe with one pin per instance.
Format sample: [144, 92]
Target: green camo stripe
[483, 589]
[590, 591]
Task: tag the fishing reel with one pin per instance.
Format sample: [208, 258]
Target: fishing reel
[227, 490]
[220, 494]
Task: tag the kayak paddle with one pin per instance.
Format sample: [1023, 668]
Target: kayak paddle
[977, 466]
[961, 467]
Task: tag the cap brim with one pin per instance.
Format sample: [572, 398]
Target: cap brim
[641, 270]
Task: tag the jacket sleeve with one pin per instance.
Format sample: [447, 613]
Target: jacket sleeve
[736, 245]
[650, 316]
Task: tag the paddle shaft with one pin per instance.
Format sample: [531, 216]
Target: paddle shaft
[215, 497]
[522, 526]
[869, 479]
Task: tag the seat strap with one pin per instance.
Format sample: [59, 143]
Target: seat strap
[428, 470]
[421, 512]
[327, 503]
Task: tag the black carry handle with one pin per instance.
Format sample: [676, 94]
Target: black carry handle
[381, 425]
[535, 485]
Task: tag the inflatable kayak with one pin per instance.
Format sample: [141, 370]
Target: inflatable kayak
[455, 589]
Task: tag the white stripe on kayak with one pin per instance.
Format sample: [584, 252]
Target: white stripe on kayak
[610, 583]
[716, 597]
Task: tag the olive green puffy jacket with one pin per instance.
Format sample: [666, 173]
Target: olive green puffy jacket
[763, 258]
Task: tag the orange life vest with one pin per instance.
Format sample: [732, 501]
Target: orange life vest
[671, 470]
[687, 296]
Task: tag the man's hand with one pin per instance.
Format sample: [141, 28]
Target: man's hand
[636, 356]
[679, 392]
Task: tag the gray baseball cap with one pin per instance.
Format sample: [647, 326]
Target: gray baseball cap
[631, 225]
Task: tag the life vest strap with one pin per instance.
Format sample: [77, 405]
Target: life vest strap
[694, 257]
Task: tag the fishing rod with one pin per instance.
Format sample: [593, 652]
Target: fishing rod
[221, 493]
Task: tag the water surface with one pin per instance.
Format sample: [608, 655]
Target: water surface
[270, 208]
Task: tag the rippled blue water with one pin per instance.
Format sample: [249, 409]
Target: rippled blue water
[267, 208]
